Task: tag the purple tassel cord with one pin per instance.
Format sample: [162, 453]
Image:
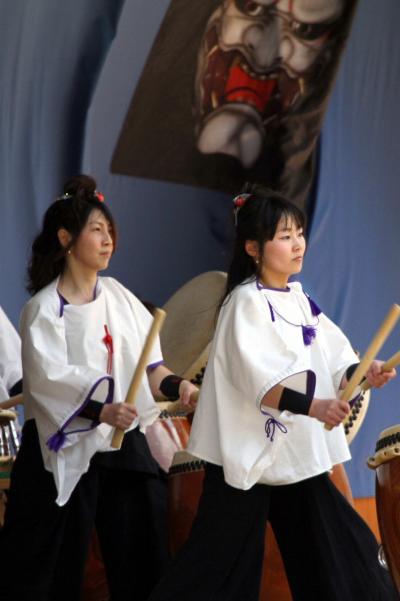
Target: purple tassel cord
[56, 441]
[309, 333]
[271, 424]
[315, 310]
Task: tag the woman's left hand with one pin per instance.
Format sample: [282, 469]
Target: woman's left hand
[378, 378]
[188, 394]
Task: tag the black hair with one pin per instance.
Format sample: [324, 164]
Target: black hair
[257, 219]
[71, 212]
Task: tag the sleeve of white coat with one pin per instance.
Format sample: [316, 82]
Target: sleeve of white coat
[250, 355]
[338, 350]
[144, 320]
[60, 390]
[10, 356]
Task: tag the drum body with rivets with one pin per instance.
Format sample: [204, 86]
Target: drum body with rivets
[386, 462]
[9, 445]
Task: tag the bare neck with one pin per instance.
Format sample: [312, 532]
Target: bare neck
[274, 280]
[77, 286]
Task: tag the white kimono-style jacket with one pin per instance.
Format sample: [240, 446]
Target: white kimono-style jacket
[265, 337]
[65, 359]
[10, 356]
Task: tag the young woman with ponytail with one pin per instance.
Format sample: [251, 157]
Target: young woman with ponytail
[82, 336]
[272, 381]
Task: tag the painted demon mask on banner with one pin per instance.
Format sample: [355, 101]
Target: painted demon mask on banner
[235, 91]
[255, 63]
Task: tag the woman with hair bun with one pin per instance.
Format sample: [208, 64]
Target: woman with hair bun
[81, 339]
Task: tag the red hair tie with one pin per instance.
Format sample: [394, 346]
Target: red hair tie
[239, 201]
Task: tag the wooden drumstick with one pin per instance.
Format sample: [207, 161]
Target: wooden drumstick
[178, 406]
[18, 399]
[159, 316]
[357, 413]
[377, 342]
[394, 361]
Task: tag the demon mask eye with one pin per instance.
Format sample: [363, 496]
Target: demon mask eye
[308, 31]
[251, 8]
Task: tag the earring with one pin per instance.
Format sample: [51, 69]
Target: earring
[69, 252]
[257, 261]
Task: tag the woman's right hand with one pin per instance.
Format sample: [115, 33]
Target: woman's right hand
[119, 415]
[329, 411]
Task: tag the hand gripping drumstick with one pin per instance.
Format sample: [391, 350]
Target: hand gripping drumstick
[377, 342]
[159, 316]
[169, 406]
[394, 361]
[178, 406]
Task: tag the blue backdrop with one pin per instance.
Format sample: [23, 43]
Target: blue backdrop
[67, 73]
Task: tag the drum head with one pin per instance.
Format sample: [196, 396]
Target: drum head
[190, 323]
[6, 416]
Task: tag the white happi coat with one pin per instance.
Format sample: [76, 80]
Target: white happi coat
[10, 356]
[65, 365]
[259, 343]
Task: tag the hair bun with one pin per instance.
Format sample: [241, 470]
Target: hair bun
[80, 186]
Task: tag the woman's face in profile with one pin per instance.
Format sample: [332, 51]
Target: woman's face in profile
[94, 245]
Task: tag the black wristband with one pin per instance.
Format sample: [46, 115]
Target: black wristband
[16, 389]
[92, 411]
[170, 386]
[350, 370]
[295, 402]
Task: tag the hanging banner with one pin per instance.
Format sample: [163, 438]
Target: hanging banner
[235, 91]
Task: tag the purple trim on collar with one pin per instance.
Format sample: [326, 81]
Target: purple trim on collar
[261, 286]
[155, 364]
[58, 439]
[309, 331]
[64, 302]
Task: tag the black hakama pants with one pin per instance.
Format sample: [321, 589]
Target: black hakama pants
[222, 558]
[44, 547]
[328, 550]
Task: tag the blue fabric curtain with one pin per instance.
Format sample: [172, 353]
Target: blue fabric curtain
[168, 233]
[353, 262]
[51, 54]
